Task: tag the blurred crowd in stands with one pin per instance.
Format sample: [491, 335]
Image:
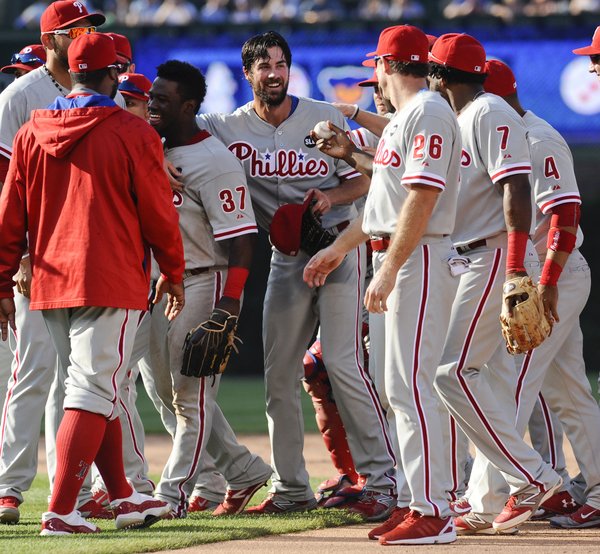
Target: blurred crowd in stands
[185, 12]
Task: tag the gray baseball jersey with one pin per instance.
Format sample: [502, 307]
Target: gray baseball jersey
[420, 145]
[215, 201]
[494, 147]
[281, 164]
[552, 177]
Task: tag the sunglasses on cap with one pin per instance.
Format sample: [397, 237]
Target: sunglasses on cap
[73, 32]
[128, 86]
[25, 59]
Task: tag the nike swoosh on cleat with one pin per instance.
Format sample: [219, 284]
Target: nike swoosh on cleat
[585, 516]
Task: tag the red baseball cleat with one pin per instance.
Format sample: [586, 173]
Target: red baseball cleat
[521, 507]
[70, 524]
[559, 504]
[236, 500]
[584, 518]
[396, 518]
[460, 506]
[92, 510]
[419, 529]
[9, 510]
[100, 495]
[275, 504]
[201, 504]
[138, 511]
[372, 505]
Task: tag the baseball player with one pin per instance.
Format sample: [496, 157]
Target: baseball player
[558, 209]
[92, 316]
[556, 366]
[35, 362]
[409, 215]
[135, 88]
[27, 59]
[214, 203]
[270, 135]
[495, 166]
[593, 51]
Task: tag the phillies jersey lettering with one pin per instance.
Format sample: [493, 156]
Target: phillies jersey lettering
[281, 163]
[494, 147]
[280, 166]
[552, 177]
[420, 146]
[386, 156]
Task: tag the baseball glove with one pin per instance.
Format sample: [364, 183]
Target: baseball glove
[207, 347]
[312, 235]
[526, 327]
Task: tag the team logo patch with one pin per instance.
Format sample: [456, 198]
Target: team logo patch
[177, 198]
[309, 142]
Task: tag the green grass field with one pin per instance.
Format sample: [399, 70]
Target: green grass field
[171, 534]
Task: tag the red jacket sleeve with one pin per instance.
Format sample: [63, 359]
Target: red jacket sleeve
[13, 220]
[158, 217]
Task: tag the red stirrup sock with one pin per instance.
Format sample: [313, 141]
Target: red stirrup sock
[109, 462]
[77, 442]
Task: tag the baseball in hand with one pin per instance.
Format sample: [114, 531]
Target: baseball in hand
[323, 131]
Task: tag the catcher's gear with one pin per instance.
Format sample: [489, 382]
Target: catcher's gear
[317, 385]
[526, 327]
[312, 235]
[208, 346]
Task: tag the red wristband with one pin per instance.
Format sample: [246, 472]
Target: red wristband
[515, 255]
[550, 273]
[236, 279]
[560, 240]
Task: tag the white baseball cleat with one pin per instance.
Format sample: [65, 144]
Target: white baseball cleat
[70, 524]
[138, 511]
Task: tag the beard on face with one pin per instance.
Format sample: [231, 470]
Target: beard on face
[61, 53]
[269, 97]
[115, 88]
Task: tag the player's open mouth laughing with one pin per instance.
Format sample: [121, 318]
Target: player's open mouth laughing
[154, 118]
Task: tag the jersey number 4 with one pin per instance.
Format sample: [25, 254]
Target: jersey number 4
[421, 143]
[228, 199]
[550, 169]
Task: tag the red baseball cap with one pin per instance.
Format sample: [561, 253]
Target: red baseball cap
[593, 48]
[431, 39]
[123, 47]
[500, 79]
[372, 82]
[28, 58]
[91, 52]
[135, 85]
[403, 43]
[64, 13]
[459, 51]
[286, 227]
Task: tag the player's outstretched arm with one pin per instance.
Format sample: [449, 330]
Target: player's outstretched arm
[340, 146]
[373, 122]
[325, 261]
